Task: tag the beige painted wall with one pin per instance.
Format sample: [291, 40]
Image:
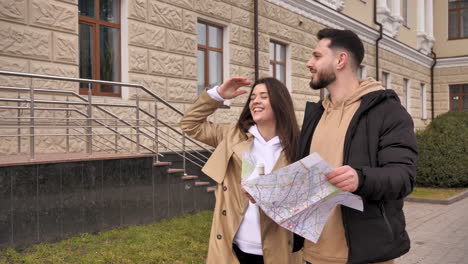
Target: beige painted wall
[362, 11]
[444, 47]
[407, 33]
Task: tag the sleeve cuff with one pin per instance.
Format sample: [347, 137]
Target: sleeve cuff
[213, 93]
[361, 177]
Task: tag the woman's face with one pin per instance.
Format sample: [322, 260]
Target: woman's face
[260, 107]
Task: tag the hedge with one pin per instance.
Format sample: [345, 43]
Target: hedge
[443, 155]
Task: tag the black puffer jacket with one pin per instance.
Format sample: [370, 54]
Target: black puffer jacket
[380, 144]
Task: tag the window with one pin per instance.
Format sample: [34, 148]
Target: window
[99, 40]
[386, 80]
[278, 61]
[423, 102]
[209, 56]
[407, 89]
[459, 97]
[361, 72]
[458, 19]
[404, 12]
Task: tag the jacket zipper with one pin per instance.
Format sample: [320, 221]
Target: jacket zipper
[384, 215]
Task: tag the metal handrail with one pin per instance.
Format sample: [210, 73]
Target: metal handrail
[141, 126]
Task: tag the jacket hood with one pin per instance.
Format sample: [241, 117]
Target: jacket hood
[253, 130]
[365, 86]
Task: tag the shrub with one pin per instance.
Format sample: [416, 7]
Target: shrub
[443, 156]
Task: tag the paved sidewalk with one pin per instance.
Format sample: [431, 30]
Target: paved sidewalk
[439, 233]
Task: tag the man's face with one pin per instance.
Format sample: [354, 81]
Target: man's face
[321, 66]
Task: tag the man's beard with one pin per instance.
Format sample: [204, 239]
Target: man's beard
[324, 79]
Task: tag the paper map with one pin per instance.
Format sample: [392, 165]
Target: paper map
[297, 197]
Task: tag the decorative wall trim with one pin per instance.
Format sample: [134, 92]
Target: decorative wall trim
[452, 62]
[328, 17]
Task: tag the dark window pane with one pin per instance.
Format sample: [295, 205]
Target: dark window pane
[453, 4]
[464, 3]
[201, 31]
[215, 68]
[215, 37]
[464, 23]
[280, 52]
[454, 102]
[201, 71]
[109, 10]
[109, 55]
[86, 8]
[453, 29]
[454, 89]
[86, 53]
[465, 89]
[465, 103]
[280, 73]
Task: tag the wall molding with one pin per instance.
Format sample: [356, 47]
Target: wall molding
[452, 62]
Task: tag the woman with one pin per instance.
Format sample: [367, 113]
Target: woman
[267, 128]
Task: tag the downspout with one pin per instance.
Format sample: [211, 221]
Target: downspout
[434, 56]
[256, 38]
[377, 41]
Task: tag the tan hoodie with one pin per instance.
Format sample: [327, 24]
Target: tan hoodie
[328, 141]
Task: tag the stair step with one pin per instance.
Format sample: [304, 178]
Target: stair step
[200, 183]
[189, 177]
[170, 170]
[162, 163]
[211, 188]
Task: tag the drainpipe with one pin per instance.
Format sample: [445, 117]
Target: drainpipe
[434, 56]
[256, 38]
[377, 41]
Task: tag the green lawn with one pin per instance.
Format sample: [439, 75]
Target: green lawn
[180, 240]
[436, 193]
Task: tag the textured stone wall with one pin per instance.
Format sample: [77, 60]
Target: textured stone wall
[41, 36]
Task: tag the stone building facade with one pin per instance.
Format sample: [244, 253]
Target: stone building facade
[159, 47]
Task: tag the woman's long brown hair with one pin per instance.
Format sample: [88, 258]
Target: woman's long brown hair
[283, 109]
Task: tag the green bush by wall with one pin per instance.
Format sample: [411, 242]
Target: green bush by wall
[443, 152]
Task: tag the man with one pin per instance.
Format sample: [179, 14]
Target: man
[363, 132]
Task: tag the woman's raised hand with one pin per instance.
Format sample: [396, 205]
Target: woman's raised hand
[230, 88]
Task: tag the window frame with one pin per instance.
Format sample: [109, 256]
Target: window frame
[460, 94]
[404, 13]
[95, 23]
[458, 11]
[206, 48]
[407, 89]
[423, 101]
[386, 80]
[274, 62]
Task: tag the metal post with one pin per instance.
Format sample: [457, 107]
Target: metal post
[18, 150]
[89, 136]
[138, 120]
[184, 156]
[116, 136]
[156, 138]
[31, 123]
[68, 129]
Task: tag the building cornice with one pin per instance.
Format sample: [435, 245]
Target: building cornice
[331, 18]
[452, 62]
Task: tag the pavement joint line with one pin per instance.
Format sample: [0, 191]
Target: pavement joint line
[450, 200]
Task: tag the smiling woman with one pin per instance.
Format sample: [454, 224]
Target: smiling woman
[241, 232]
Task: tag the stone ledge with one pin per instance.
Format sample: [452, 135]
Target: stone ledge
[451, 200]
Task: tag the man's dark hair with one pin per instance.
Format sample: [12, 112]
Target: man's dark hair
[344, 39]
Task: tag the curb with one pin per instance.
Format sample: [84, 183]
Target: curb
[451, 200]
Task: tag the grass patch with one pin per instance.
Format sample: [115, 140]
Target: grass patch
[181, 240]
[436, 193]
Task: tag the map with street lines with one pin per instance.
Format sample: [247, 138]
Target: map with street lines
[298, 197]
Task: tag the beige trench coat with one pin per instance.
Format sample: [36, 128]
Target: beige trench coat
[224, 166]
